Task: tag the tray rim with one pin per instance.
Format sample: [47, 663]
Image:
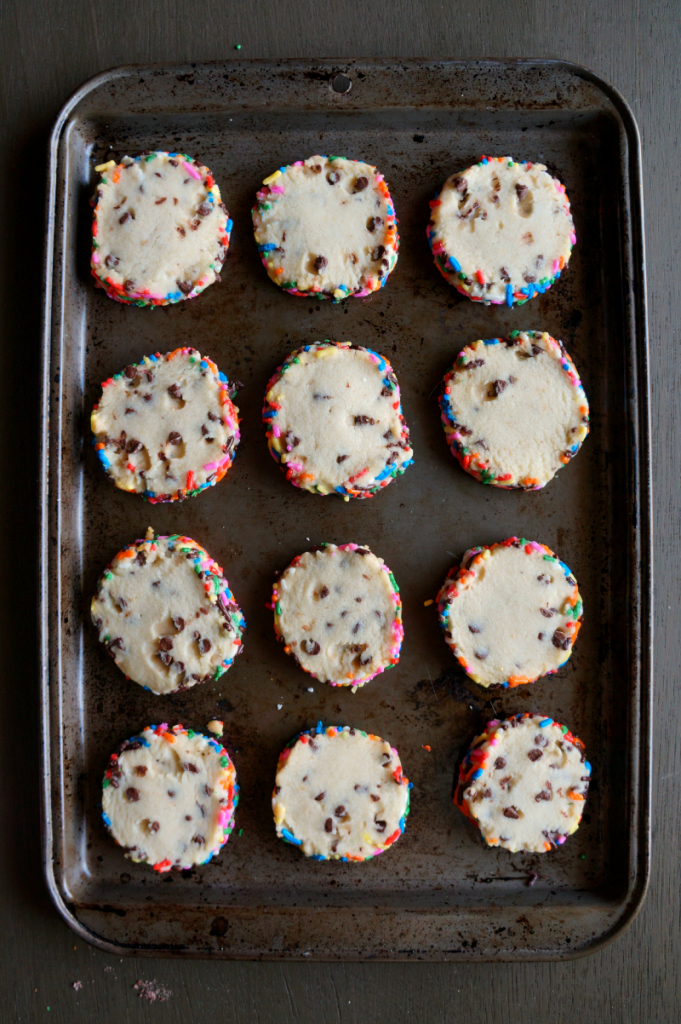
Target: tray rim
[642, 790]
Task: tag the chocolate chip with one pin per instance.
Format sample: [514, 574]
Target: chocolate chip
[130, 372]
[159, 201]
[561, 640]
[505, 276]
[460, 184]
[132, 794]
[163, 457]
[510, 812]
[171, 793]
[204, 209]
[328, 825]
[521, 191]
[324, 592]
[165, 643]
[124, 218]
[133, 446]
[540, 636]
[546, 612]
[141, 557]
[472, 366]
[529, 278]
[205, 645]
[535, 754]
[320, 262]
[154, 826]
[174, 438]
[320, 796]
[475, 629]
[373, 223]
[333, 177]
[481, 655]
[543, 795]
[129, 286]
[111, 260]
[342, 458]
[199, 840]
[185, 287]
[361, 420]
[374, 798]
[310, 647]
[189, 767]
[361, 184]
[166, 658]
[175, 392]
[140, 770]
[378, 253]
[497, 387]
[500, 762]
[340, 811]
[355, 628]
[380, 825]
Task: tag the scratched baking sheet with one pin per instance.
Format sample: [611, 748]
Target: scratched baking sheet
[438, 894]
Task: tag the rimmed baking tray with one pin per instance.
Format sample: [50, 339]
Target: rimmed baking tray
[438, 894]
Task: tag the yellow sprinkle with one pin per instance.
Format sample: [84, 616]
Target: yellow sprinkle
[428, 602]
[272, 177]
[346, 497]
[105, 167]
[339, 293]
[215, 726]
[279, 813]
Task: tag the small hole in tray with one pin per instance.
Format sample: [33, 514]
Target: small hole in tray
[342, 83]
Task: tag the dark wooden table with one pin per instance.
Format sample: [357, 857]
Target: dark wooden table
[48, 49]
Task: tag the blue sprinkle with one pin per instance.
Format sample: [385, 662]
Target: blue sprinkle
[544, 722]
[230, 225]
[556, 275]
[509, 295]
[290, 838]
[320, 728]
[153, 357]
[587, 767]
[267, 248]
[106, 819]
[565, 568]
[477, 773]
[410, 786]
[283, 170]
[505, 686]
[485, 161]
[455, 264]
[493, 341]
[317, 856]
[340, 490]
[401, 825]
[530, 291]
[222, 377]
[269, 415]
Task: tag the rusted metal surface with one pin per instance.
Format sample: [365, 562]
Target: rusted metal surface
[438, 894]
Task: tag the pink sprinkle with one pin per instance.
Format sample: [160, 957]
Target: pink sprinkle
[191, 170]
[276, 431]
[95, 258]
[277, 188]
[573, 238]
[556, 266]
[298, 163]
[210, 467]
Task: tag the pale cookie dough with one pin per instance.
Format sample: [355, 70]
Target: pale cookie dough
[166, 427]
[334, 420]
[160, 233]
[523, 783]
[501, 231]
[325, 227]
[340, 794]
[166, 615]
[514, 409]
[338, 612]
[510, 613]
[168, 797]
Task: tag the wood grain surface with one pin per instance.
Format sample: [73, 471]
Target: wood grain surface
[48, 49]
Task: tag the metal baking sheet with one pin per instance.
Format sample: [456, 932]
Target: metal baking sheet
[438, 894]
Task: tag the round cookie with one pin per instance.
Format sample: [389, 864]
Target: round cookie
[340, 794]
[166, 614]
[166, 427]
[501, 231]
[160, 233]
[334, 420]
[514, 410]
[524, 783]
[338, 612]
[325, 227]
[168, 797]
[510, 613]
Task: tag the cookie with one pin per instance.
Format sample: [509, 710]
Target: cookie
[166, 427]
[501, 231]
[524, 783]
[168, 797]
[166, 615]
[338, 612]
[514, 410]
[510, 613]
[160, 232]
[325, 227]
[334, 420]
[340, 794]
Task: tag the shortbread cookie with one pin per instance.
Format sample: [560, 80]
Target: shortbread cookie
[523, 783]
[501, 231]
[338, 612]
[510, 613]
[334, 420]
[325, 227]
[166, 614]
[169, 797]
[166, 427]
[160, 233]
[514, 409]
[340, 794]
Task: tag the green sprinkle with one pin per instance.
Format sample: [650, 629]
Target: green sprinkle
[277, 608]
[392, 580]
[549, 558]
[265, 206]
[105, 783]
[296, 360]
[190, 733]
[152, 156]
[219, 671]
[240, 832]
[564, 729]
[462, 276]
[238, 46]
[108, 575]
[514, 334]
[224, 761]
